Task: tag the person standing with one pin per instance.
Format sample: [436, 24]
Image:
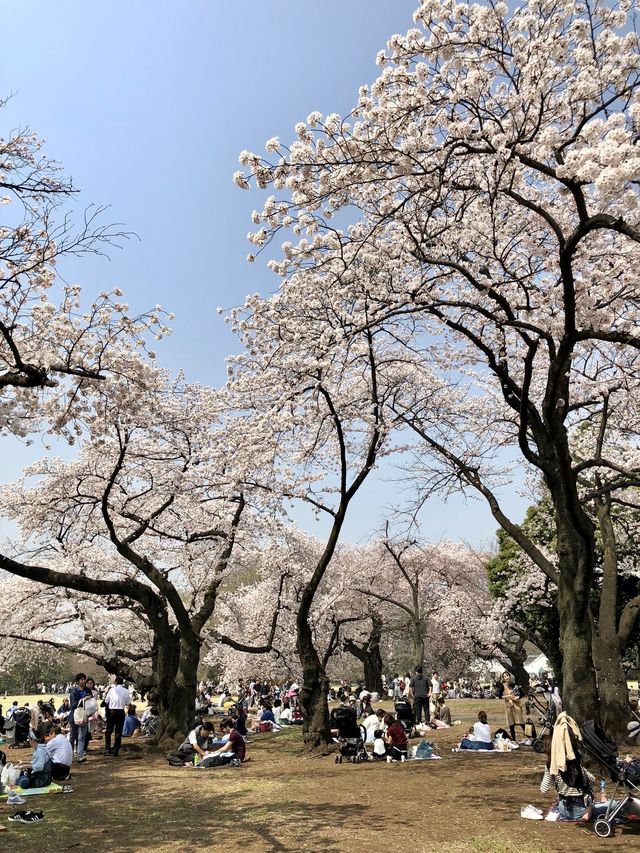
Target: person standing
[78, 733]
[435, 690]
[420, 694]
[115, 701]
[513, 706]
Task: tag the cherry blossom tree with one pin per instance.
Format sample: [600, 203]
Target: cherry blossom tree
[56, 347]
[489, 175]
[322, 412]
[150, 513]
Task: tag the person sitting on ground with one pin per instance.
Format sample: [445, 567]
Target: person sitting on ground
[479, 736]
[59, 751]
[396, 738]
[572, 783]
[196, 743]
[240, 720]
[235, 748]
[286, 714]
[379, 746]
[131, 722]
[266, 720]
[64, 709]
[372, 723]
[443, 713]
[365, 704]
[40, 774]
[151, 723]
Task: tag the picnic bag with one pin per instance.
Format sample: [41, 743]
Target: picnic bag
[80, 717]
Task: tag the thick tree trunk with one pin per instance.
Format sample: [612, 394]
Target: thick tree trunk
[578, 677]
[177, 678]
[612, 686]
[314, 692]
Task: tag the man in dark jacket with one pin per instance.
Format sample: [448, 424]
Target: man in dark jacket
[419, 692]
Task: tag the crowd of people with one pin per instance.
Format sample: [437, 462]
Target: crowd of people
[59, 732]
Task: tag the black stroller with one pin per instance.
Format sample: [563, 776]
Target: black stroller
[547, 714]
[351, 736]
[22, 720]
[404, 713]
[626, 776]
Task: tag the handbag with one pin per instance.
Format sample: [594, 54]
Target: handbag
[80, 717]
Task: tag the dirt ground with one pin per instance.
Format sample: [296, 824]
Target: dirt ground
[281, 800]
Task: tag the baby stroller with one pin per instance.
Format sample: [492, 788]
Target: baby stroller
[22, 721]
[547, 716]
[404, 713]
[351, 736]
[626, 775]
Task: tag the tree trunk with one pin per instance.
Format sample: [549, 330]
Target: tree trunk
[314, 692]
[370, 656]
[177, 671]
[612, 686]
[417, 633]
[579, 694]
[607, 644]
[519, 673]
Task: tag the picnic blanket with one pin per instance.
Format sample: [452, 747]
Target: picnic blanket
[423, 757]
[53, 788]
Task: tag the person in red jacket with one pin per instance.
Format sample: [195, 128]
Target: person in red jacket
[396, 738]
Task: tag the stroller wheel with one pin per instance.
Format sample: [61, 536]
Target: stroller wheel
[603, 828]
[538, 746]
[337, 759]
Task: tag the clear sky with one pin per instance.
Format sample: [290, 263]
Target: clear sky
[148, 104]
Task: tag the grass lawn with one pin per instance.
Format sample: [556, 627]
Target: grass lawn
[282, 800]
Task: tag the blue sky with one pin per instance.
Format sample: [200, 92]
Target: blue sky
[148, 105]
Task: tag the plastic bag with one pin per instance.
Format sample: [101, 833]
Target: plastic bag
[90, 706]
[10, 774]
[80, 716]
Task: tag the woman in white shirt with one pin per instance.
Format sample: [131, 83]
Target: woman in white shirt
[371, 723]
[480, 736]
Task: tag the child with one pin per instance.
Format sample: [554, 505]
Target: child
[379, 746]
